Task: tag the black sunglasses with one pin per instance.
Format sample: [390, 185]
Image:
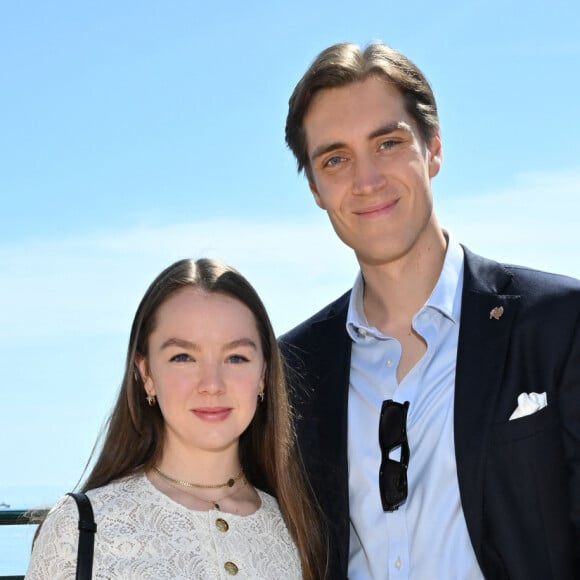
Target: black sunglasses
[393, 474]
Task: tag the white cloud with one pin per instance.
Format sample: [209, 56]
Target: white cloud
[90, 285]
[533, 222]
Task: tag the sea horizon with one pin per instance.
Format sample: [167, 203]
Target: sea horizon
[15, 546]
[16, 540]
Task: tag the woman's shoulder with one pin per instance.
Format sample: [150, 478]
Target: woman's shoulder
[269, 502]
[64, 514]
[134, 483]
[125, 494]
[55, 548]
[270, 509]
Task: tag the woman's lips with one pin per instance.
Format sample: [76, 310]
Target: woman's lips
[212, 413]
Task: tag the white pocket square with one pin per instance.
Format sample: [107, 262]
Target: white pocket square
[529, 403]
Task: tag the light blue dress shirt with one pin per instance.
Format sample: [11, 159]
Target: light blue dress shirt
[426, 538]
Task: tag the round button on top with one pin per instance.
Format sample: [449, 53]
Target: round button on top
[231, 568]
[222, 525]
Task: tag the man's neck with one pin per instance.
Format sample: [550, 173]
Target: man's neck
[394, 292]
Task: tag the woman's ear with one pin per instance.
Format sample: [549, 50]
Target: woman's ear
[142, 368]
[262, 384]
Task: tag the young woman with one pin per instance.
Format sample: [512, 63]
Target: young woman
[198, 446]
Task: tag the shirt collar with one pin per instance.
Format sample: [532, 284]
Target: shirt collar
[445, 298]
[357, 324]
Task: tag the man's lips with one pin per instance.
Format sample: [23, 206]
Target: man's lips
[377, 209]
[212, 413]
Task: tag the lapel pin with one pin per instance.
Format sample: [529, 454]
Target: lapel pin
[496, 312]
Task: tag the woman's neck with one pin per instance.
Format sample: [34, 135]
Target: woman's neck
[198, 466]
[205, 481]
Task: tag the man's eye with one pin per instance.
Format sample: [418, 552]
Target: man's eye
[237, 358]
[181, 357]
[389, 144]
[333, 161]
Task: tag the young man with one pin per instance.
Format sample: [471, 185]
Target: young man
[410, 382]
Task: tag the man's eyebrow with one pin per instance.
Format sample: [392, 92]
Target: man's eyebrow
[390, 128]
[382, 130]
[187, 344]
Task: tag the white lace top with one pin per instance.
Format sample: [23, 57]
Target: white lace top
[143, 534]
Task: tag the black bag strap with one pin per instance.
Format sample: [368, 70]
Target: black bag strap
[87, 529]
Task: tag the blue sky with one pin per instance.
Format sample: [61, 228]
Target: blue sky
[134, 133]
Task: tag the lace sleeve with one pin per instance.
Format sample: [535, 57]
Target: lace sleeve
[54, 554]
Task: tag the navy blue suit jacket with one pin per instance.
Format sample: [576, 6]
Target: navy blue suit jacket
[519, 480]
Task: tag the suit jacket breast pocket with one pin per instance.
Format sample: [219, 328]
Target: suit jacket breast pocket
[509, 431]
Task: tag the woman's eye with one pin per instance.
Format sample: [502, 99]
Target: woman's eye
[181, 357]
[237, 358]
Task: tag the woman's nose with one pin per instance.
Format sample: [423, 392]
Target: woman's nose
[210, 379]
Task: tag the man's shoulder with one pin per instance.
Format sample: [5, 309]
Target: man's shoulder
[549, 280]
[518, 279]
[336, 308]
[480, 265]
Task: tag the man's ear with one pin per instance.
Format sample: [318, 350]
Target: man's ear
[435, 153]
[316, 195]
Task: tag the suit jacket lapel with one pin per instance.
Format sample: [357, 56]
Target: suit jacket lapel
[483, 344]
[330, 407]
[332, 398]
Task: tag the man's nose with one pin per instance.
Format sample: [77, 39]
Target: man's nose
[368, 176]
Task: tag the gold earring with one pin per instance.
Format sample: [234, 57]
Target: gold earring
[151, 400]
[261, 396]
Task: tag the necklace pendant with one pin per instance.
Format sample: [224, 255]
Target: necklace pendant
[231, 482]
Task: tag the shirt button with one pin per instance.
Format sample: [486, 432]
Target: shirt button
[362, 332]
[222, 525]
[389, 363]
[398, 563]
[231, 568]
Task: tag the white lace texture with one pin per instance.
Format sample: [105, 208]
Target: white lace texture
[143, 534]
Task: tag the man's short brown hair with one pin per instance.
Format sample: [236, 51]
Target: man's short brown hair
[346, 63]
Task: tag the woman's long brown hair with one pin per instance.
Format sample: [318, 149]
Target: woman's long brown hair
[134, 435]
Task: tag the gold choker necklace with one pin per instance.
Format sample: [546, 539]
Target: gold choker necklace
[229, 483]
[213, 502]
